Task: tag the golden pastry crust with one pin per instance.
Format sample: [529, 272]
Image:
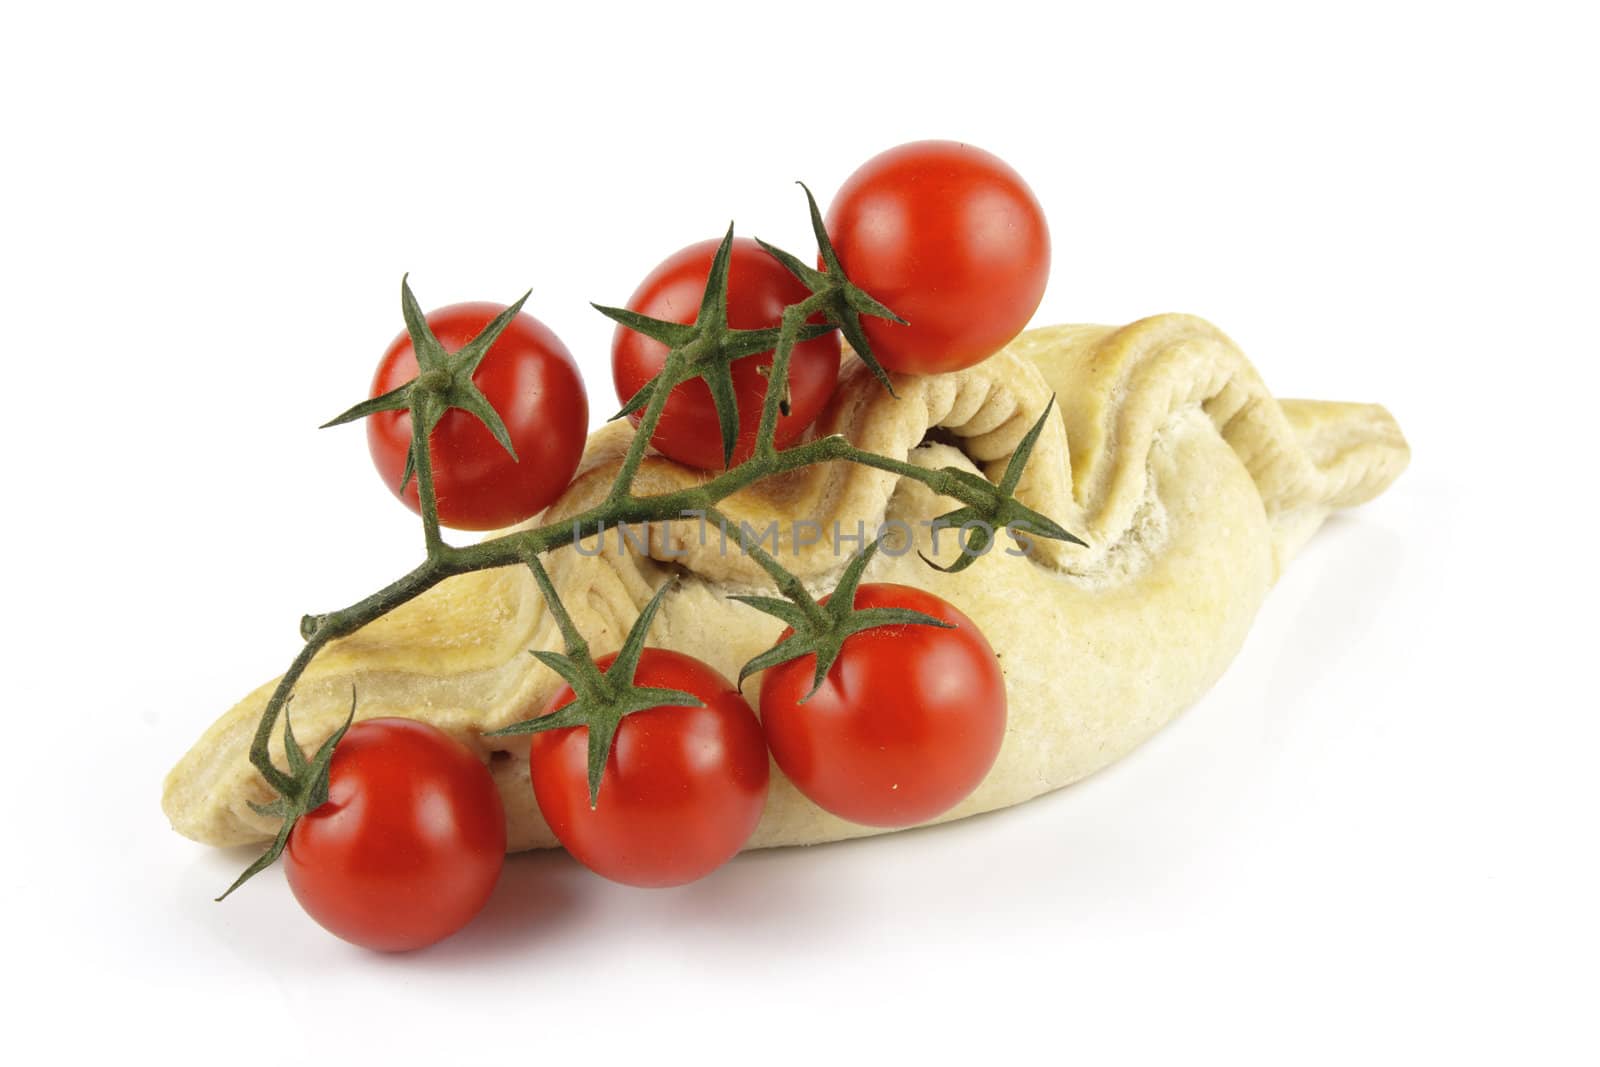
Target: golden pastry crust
[1192, 486]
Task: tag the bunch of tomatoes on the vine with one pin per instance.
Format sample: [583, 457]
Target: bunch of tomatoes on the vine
[907, 719]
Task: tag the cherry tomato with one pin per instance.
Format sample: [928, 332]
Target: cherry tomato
[759, 288]
[906, 724]
[410, 843]
[532, 381]
[683, 788]
[953, 241]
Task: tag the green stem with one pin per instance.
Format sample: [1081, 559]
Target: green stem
[518, 547]
[622, 487]
[512, 548]
[327, 628]
[794, 316]
[787, 583]
[939, 481]
[577, 647]
[427, 495]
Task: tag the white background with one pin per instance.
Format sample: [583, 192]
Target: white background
[1373, 841]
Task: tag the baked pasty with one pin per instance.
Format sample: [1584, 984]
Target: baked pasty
[1191, 485]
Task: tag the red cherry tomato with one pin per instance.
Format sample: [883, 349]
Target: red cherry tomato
[532, 381]
[410, 843]
[906, 724]
[953, 241]
[683, 787]
[759, 288]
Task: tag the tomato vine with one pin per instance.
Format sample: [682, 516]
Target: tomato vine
[705, 350]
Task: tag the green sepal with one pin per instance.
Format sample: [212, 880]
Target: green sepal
[967, 553]
[600, 699]
[821, 630]
[745, 343]
[565, 666]
[805, 274]
[1025, 519]
[705, 349]
[276, 809]
[451, 387]
[785, 610]
[859, 299]
[471, 354]
[469, 398]
[627, 661]
[791, 647]
[671, 334]
[842, 301]
[602, 734]
[429, 352]
[714, 300]
[844, 590]
[1005, 514]
[265, 860]
[740, 344]
[850, 326]
[638, 400]
[291, 748]
[1000, 510]
[652, 696]
[398, 399]
[1024, 450]
[304, 790]
[322, 762]
[719, 380]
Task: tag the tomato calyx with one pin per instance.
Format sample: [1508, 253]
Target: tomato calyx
[602, 699]
[839, 299]
[301, 791]
[997, 507]
[443, 381]
[820, 629]
[705, 349]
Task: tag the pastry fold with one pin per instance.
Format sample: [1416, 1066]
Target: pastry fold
[1191, 484]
